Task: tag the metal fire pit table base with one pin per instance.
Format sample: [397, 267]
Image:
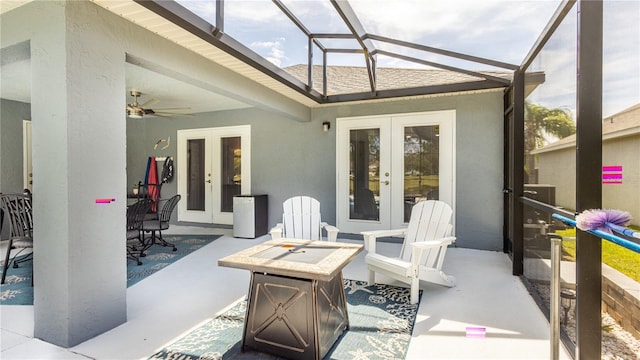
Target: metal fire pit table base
[294, 318]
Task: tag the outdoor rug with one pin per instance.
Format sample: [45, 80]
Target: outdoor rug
[381, 321]
[17, 289]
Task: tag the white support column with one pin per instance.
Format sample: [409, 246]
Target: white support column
[79, 154]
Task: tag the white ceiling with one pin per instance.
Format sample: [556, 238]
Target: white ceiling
[175, 93]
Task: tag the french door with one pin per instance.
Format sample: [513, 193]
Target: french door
[385, 164]
[213, 166]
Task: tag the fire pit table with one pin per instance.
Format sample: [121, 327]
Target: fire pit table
[296, 307]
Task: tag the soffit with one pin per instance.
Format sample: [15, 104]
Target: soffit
[8, 5]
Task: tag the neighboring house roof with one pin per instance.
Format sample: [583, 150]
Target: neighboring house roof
[354, 79]
[624, 123]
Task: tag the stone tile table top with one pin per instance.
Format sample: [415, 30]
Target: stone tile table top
[319, 260]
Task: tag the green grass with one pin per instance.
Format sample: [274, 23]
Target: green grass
[619, 258]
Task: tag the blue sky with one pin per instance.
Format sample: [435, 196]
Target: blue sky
[503, 30]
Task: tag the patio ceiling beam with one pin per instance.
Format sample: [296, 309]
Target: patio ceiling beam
[351, 20]
[346, 51]
[446, 67]
[416, 91]
[199, 27]
[442, 52]
[332, 36]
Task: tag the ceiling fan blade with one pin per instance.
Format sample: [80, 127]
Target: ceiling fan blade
[162, 115]
[173, 109]
[149, 103]
[170, 114]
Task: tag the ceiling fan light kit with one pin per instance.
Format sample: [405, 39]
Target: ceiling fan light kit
[135, 113]
[136, 110]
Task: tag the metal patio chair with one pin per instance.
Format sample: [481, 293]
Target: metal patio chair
[160, 223]
[18, 211]
[135, 219]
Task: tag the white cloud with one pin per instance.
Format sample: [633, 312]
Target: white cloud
[252, 11]
[272, 50]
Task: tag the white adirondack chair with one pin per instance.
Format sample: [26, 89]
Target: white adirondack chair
[422, 254]
[301, 220]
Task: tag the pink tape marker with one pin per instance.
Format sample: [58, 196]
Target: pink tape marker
[476, 331]
[105, 201]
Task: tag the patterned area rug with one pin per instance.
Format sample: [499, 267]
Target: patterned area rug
[17, 289]
[381, 322]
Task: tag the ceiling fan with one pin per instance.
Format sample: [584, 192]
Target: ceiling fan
[137, 110]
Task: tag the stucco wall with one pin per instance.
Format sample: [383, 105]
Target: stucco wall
[558, 168]
[287, 158]
[291, 158]
[479, 158]
[626, 196]
[282, 147]
[12, 113]
[76, 83]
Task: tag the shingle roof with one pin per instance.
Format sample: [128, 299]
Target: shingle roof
[353, 79]
[623, 120]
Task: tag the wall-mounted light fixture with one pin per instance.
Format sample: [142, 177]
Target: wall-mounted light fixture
[326, 126]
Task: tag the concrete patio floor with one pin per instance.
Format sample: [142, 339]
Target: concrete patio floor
[169, 303]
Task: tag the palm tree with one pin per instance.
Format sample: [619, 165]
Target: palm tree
[540, 123]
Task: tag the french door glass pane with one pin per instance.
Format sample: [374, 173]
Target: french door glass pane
[421, 165]
[364, 174]
[231, 175]
[195, 169]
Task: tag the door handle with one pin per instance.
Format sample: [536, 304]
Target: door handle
[385, 182]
